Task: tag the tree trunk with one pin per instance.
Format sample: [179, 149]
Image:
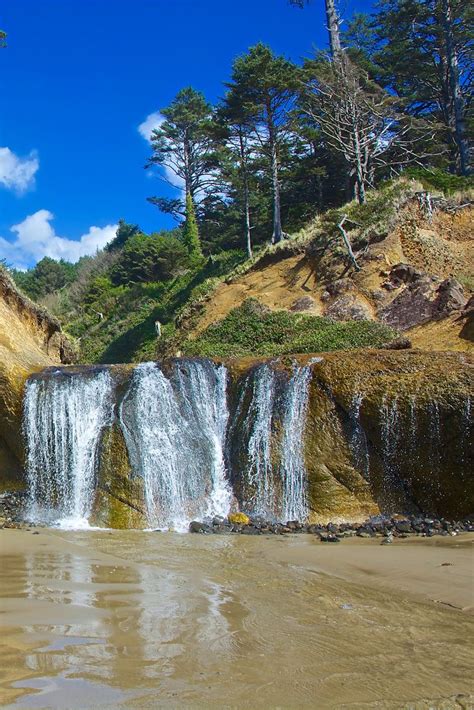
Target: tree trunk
[243, 165]
[456, 98]
[277, 235]
[359, 171]
[332, 20]
[188, 188]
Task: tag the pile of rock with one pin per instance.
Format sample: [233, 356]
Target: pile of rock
[12, 503]
[387, 528]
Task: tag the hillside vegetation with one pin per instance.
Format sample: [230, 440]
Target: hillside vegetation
[302, 295]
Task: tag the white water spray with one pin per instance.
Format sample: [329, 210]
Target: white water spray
[175, 427]
[64, 417]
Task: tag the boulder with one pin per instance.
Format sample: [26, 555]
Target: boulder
[421, 298]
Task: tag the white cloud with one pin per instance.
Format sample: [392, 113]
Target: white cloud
[151, 123]
[16, 173]
[145, 129]
[35, 238]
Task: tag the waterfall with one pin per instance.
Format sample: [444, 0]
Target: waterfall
[274, 473]
[358, 439]
[391, 427]
[292, 467]
[174, 425]
[258, 424]
[64, 416]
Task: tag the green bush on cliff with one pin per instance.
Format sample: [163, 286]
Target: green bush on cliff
[251, 330]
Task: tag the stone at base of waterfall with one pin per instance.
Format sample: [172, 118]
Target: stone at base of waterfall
[196, 527]
[329, 538]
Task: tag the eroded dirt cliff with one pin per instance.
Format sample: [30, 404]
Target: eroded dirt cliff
[29, 341]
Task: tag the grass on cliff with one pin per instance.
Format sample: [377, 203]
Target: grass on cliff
[250, 330]
[127, 331]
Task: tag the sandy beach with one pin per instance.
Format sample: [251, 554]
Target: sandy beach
[115, 619]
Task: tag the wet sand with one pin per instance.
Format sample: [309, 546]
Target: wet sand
[130, 619]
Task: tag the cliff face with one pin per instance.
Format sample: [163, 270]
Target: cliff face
[29, 341]
[385, 431]
[415, 275]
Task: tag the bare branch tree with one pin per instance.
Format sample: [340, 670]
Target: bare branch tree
[359, 120]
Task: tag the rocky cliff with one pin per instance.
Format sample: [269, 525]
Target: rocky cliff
[384, 432]
[29, 341]
[414, 271]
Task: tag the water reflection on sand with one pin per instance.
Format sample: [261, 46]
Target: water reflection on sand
[147, 619]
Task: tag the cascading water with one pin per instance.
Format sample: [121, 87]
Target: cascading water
[175, 428]
[64, 416]
[258, 424]
[358, 439]
[274, 474]
[292, 466]
[391, 427]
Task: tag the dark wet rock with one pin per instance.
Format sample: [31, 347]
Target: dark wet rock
[222, 529]
[403, 526]
[196, 527]
[250, 530]
[295, 525]
[329, 538]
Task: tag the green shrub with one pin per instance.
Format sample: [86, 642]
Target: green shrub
[251, 330]
[440, 180]
[157, 257]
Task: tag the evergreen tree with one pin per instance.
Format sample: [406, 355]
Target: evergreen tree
[183, 147]
[264, 84]
[123, 234]
[421, 50]
[190, 236]
[237, 156]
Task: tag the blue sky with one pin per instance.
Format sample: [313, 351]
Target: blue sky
[78, 79]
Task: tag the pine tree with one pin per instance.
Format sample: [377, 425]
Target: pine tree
[183, 148]
[421, 51]
[265, 85]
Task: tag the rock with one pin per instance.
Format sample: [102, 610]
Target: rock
[294, 525]
[403, 526]
[222, 529]
[402, 343]
[423, 298]
[250, 530]
[305, 303]
[404, 273]
[196, 527]
[450, 298]
[239, 519]
[346, 308]
[329, 538]
[340, 286]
